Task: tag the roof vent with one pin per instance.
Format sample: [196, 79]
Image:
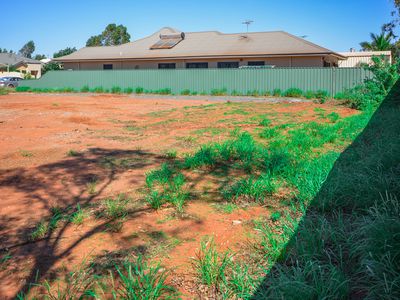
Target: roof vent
[168, 41]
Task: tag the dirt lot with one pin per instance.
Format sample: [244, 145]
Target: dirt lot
[60, 150]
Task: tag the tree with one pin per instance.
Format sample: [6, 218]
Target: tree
[4, 50]
[51, 66]
[111, 36]
[27, 49]
[39, 56]
[379, 42]
[64, 52]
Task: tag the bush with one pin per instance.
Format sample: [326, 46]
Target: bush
[185, 92]
[22, 89]
[139, 90]
[372, 92]
[128, 90]
[116, 90]
[293, 92]
[85, 89]
[276, 92]
[309, 95]
[165, 91]
[98, 89]
[219, 92]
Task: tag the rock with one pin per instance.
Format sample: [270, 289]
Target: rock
[236, 222]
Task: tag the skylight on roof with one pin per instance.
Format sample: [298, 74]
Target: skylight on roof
[168, 41]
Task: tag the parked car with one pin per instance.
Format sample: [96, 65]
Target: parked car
[10, 82]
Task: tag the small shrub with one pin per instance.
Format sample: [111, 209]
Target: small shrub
[22, 89]
[128, 90]
[137, 280]
[321, 94]
[293, 92]
[219, 92]
[165, 91]
[98, 89]
[309, 95]
[210, 265]
[185, 92]
[277, 92]
[85, 89]
[116, 90]
[139, 90]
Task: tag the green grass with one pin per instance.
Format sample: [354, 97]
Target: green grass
[72, 153]
[210, 265]
[79, 216]
[26, 153]
[44, 227]
[171, 153]
[91, 186]
[138, 280]
[115, 208]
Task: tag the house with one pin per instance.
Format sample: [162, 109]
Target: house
[172, 49]
[23, 65]
[356, 59]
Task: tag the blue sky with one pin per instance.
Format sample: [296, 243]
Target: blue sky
[54, 25]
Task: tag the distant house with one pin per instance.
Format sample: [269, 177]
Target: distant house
[10, 62]
[356, 59]
[172, 49]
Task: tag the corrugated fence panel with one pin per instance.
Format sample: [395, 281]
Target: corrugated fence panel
[242, 81]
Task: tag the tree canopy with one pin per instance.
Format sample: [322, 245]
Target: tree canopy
[39, 56]
[111, 36]
[379, 42]
[27, 50]
[4, 50]
[64, 52]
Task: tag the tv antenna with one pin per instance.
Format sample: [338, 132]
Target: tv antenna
[247, 23]
[303, 36]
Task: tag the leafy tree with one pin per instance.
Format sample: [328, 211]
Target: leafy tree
[27, 50]
[4, 50]
[111, 36]
[51, 66]
[39, 56]
[64, 52]
[379, 42]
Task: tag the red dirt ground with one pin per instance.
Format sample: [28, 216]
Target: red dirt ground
[36, 175]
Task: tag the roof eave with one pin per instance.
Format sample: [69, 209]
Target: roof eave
[60, 59]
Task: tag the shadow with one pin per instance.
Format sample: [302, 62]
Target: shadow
[33, 194]
[322, 249]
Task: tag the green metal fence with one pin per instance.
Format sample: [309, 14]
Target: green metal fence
[242, 81]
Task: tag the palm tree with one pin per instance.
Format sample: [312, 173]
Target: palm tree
[379, 42]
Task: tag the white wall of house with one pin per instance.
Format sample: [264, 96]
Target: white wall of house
[295, 61]
[356, 59]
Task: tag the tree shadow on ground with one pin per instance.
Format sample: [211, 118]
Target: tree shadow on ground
[62, 184]
[322, 260]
